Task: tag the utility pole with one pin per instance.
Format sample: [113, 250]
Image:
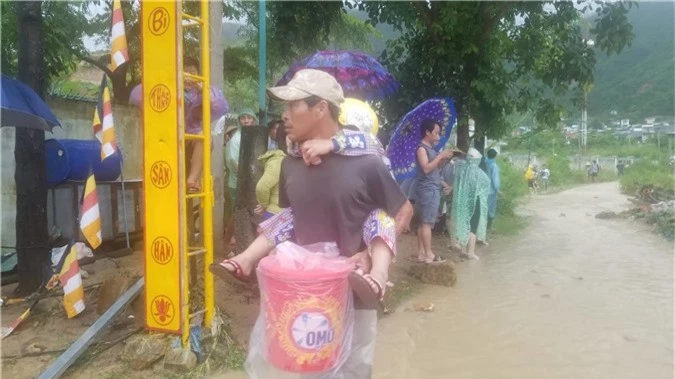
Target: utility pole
[29, 152]
[218, 152]
[262, 62]
[658, 141]
[584, 121]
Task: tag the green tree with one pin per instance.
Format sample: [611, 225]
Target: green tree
[495, 58]
[294, 30]
[66, 24]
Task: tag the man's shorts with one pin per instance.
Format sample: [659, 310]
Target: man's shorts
[426, 207]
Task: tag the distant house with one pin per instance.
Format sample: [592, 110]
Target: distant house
[625, 122]
[650, 120]
[648, 131]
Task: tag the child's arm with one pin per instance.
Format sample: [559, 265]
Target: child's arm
[219, 104]
[380, 225]
[279, 228]
[345, 142]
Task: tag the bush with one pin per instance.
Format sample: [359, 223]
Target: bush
[513, 187]
[646, 172]
[561, 173]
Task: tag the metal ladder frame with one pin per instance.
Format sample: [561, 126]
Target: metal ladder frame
[205, 196]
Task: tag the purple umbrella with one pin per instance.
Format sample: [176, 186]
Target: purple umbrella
[360, 75]
[407, 136]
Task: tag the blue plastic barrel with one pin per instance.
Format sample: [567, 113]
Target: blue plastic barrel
[71, 159]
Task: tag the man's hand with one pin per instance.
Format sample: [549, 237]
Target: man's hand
[259, 209]
[362, 261]
[313, 150]
[446, 154]
[447, 189]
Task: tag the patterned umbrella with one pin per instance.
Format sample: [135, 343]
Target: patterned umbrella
[360, 75]
[407, 135]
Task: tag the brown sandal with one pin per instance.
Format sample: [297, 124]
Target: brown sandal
[362, 286]
[219, 270]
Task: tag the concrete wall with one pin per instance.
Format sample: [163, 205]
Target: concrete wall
[76, 118]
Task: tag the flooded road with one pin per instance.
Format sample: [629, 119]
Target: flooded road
[570, 297]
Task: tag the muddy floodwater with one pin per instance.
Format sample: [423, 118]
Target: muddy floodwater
[570, 297]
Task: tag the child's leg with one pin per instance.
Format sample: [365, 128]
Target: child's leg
[381, 257]
[274, 231]
[249, 259]
[196, 163]
[380, 225]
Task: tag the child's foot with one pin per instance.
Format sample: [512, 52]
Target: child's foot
[232, 269]
[369, 288]
[192, 186]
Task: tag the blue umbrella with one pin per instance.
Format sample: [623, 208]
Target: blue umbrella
[22, 107]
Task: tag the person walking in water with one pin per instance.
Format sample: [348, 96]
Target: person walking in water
[427, 192]
[470, 203]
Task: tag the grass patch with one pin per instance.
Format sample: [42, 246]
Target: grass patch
[509, 225]
[645, 172]
[235, 358]
[514, 189]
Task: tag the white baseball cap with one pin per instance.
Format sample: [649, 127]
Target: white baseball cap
[309, 82]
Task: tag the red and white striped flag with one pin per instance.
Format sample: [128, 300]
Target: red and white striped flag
[103, 124]
[118, 38]
[90, 219]
[71, 282]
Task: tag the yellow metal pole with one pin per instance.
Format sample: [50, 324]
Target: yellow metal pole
[185, 213]
[207, 219]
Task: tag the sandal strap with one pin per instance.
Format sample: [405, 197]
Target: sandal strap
[238, 271]
[380, 288]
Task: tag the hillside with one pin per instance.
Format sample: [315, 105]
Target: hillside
[640, 81]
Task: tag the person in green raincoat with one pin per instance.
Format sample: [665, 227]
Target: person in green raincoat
[267, 188]
[246, 118]
[470, 203]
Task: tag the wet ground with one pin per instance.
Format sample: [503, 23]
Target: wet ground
[570, 297]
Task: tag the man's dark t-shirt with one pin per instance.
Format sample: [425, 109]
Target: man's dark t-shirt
[331, 201]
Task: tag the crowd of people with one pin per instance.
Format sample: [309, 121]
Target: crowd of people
[452, 183]
[303, 196]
